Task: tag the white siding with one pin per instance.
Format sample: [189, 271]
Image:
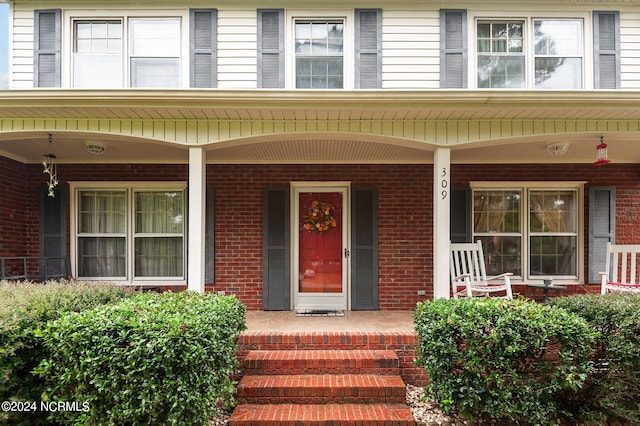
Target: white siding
[410, 49]
[630, 50]
[237, 44]
[22, 50]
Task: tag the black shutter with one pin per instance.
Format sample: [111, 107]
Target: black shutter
[368, 46]
[270, 48]
[453, 49]
[460, 207]
[53, 234]
[209, 237]
[364, 253]
[47, 39]
[606, 50]
[203, 51]
[276, 250]
[602, 227]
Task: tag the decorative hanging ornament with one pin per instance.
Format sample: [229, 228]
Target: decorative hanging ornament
[601, 153]
[49, 164]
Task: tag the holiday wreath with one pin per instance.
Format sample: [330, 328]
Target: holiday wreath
[319, 217]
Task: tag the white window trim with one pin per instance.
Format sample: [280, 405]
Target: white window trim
[70, 15]
[526, 187]
[528, 17]
[131, 187]
[347, 15]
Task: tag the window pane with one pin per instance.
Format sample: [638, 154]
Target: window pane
[558, 49]
[148, 72]
[155, 37]
[553, 256]
[102, 257]
[558, 73]
[159, 212]
[497, 225]
[319, 49]
[102, 212]
[501, 60]
[502, 254]
[552, 211]
[97, 55]
[496, 211]
[159, 257]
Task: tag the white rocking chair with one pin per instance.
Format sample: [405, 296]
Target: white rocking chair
[469, 276]
[622, 269]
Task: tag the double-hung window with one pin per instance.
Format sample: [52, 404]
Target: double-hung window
[531, 52]
[141, 51]
[528, 230]
[319, 52]
[130, 233]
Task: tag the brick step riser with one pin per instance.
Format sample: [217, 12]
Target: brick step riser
[319, 389]
[277, 370]
[318, 415]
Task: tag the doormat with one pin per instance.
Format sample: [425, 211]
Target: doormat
[319, 313]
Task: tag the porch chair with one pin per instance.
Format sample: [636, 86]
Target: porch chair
[469, 276]
[622, 269]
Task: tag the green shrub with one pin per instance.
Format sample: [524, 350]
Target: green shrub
[25, 307]
[501, 359]
[612, 389]
[153, 359]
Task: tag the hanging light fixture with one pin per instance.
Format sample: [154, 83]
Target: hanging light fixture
[49, 164]
[601, 153]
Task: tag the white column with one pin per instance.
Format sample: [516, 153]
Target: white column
[197, 197]
[441, 221]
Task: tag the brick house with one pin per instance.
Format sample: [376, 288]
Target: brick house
[320, 157]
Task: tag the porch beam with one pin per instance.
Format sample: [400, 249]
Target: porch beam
[196, 234]
[441, 221]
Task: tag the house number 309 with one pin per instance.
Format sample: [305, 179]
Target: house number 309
[444, 182]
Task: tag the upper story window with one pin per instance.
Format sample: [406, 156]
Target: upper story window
[537, 53]
[314, 51]
[151, 58]
[319, 49]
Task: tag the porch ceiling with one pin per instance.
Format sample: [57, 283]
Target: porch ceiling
[55, 108]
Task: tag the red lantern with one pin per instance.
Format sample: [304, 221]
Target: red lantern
[601, 153]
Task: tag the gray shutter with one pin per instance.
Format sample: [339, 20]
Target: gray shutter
[453, 48]
[53, 233]
[368, 45]
[203, 51]
[460, 225]
[364, 253]
[47, 39]
[602, 227]
[209, 237]
[270, 48]
[276, 250]
[606, 50]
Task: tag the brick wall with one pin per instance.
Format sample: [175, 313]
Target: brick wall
[405, 211]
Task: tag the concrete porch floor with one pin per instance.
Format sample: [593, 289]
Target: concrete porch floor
[361, 321]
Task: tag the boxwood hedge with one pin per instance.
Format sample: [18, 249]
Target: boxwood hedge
[502, 359]
[26, 307]
[612, 390]
[153, 359]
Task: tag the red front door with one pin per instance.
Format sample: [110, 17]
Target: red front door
[321, 248]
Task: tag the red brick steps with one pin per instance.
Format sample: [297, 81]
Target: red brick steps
[317, 380]
[333, 414]
[321, 389]
[322, 362]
